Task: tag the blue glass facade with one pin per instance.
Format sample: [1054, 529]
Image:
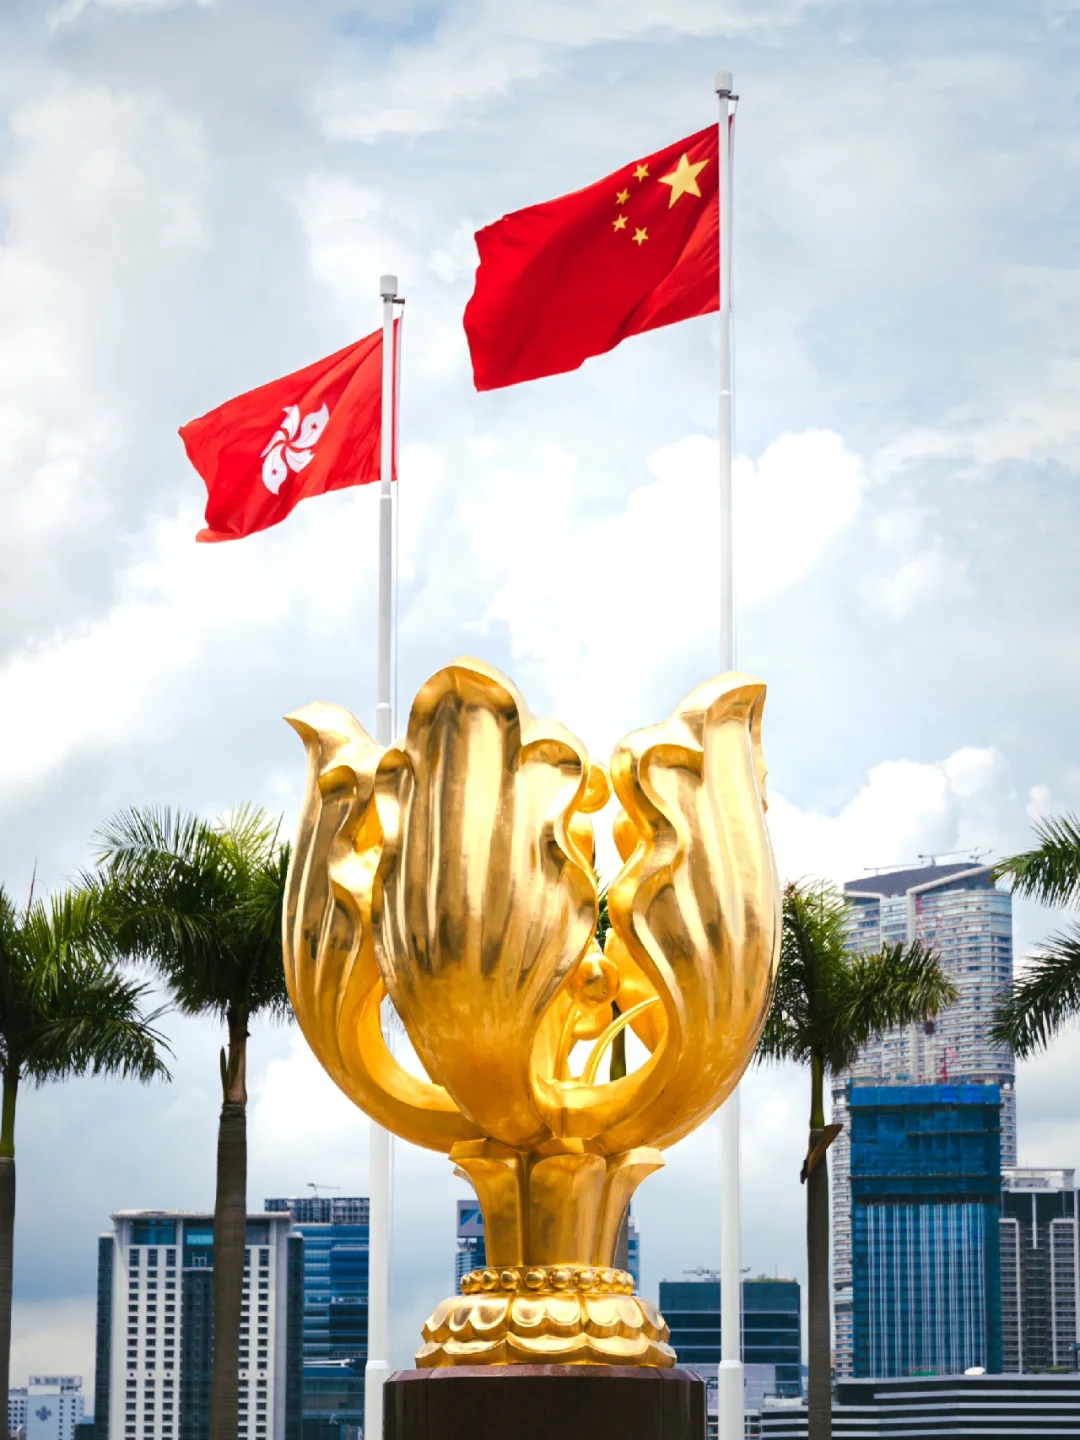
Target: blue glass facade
[925, 1203]
[335, 1237]
[771, 1326]
[471, 1251]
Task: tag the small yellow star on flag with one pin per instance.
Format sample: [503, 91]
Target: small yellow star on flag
[641, 172]
[620, 222]
[640, 236]
[622, 197]
[683, 179]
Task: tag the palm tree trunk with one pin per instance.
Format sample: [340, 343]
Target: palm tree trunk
[230, 1232]
[819, 1319]
[7, 1226]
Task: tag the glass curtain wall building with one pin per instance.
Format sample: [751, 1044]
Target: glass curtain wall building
[155, 1328]
[771, 1336]
[1040, 1282]
[925, 1202]
[335, 1235]
[958, 910]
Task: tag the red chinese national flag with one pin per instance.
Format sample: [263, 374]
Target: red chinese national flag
[318, 429]
[569, 279]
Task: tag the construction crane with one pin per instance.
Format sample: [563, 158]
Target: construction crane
[316, 1185]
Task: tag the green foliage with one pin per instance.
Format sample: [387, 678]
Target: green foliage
[829, 1002]
[1043, 998]
[64, 1009]
[200, 902]
[1047, 994]
[1050, 873]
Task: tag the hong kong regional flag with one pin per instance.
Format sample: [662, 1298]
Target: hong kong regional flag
[571, 278]
[318, 429]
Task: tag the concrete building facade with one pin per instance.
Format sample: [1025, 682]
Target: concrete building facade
[155, 1328]
[1040, 1270]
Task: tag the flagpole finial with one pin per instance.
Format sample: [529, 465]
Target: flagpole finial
[388, 287]
[724, 82]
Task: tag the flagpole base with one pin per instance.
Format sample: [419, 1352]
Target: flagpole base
[539, 1402]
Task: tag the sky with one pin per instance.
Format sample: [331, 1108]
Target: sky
[198, 197]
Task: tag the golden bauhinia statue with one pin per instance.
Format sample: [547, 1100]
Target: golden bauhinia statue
[454, 873]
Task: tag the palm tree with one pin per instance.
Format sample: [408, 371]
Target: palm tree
[828, 1003]
[200, 903]
[1048, 993]
[64, 1011]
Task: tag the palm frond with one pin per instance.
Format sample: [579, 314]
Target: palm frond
[1050, 872]
[93, 1024]
[813, 947]
[1043, 998]
[895, 986]
[200, 903]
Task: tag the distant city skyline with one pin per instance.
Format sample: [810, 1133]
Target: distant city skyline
[958, 910]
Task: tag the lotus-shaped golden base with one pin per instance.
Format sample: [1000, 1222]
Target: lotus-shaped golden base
[554, 1315]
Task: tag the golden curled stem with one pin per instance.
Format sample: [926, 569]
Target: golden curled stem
[596, 1054]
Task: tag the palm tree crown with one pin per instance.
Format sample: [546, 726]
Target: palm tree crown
[200, 901]
[64, 1011]
[829, 1002]
[1047, 994]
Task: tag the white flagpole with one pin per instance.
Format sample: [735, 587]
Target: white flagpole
[378, 1344]
[730, 1405]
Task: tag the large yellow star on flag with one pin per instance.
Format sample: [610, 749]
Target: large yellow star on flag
[683, 179]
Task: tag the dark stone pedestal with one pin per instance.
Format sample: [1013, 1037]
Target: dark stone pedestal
[544, 1402]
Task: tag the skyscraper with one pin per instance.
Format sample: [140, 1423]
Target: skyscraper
[335, 1235]
[925, 1185]
[155, 1328]
[958, 911]
[1040, 1282]
[771, 1336]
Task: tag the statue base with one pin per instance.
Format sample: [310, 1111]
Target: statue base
[544, 1402]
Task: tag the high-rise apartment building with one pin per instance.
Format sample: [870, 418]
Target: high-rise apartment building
[155, 1333]
[925, 1203]
[957, 910]
[1040, 1270]
[335, 1231]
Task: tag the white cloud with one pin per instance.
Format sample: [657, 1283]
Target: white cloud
[619, 591]
[480, 51]
[70, 11]
[53, 1337]
[905, 809]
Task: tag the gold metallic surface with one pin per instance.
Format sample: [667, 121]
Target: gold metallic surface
[453, 872]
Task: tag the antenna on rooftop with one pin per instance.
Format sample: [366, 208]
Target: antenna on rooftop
[974, 855]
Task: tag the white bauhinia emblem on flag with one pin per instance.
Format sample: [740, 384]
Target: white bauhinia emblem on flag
[292, 445]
